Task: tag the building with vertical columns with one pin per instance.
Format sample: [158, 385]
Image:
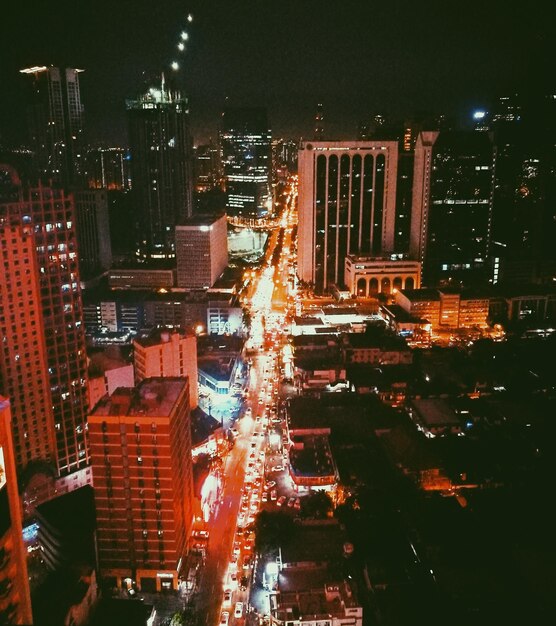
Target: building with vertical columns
[142, 467]
[369, 276]
[451, 214]
[15, 599]
[347, 200]
[43, 362]
[168, 353]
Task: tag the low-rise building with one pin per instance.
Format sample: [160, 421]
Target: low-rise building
[310, 589]
[369, 276]
[446, 308]
[162, 352]
[377, 347]
[434, 417]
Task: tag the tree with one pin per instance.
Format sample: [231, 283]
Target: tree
[317, 504]
[272, 529]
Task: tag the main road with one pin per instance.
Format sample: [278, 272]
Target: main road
[229, 552]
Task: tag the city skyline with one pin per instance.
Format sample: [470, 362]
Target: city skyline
[357, 60]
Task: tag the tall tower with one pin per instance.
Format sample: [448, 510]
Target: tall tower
[15, 600]
[319, 124]
[141, 459]
[161, 168]
[55, 122]
[43, 367]
[452, 206]
[245, 144]
[347, 199]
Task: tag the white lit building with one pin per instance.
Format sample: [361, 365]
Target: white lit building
[201, 251]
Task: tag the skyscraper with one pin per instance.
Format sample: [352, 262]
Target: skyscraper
[93, 231]
[245, 144]
[524, 213]
[43, 366]
[161, 168]
[15, 601]
[347, 199]
[55, 122]
[452, 206]
[141, 459]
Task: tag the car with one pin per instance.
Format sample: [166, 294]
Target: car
[233, 564]
[273, 495]
[201, 534]
[224, 618]
[271, 483]
[237, 548]
[297, 504]
[227, 601]
[235, 432]
[278, 468]
[247, 562]
[281, 500]
[253, 444]
[238, 611]
[232, 579]
[291, 502]
[265, 497]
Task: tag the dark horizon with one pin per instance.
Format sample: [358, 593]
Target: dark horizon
[358, 59]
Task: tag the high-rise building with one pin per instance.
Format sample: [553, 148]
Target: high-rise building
[141, 459]
[452, 206]
[93, 231]
[168, 353]
[524, 214]
[245, 145]
[201, 251]
[55, 122]
[108, 168]
[161, 168]
[43, 368]
[15, 599]
[347, 200]
[207, 170]
[319, 124]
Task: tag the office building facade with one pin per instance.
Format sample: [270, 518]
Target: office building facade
[168, 353]
[452, 206]
[43, 367]
[108, 168]
[142, 466]
[15, 599]
[201, 251]
[93, 231]
[245, 147]
[347, 200]
[161, 168]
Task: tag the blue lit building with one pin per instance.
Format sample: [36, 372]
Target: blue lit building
[245, 149]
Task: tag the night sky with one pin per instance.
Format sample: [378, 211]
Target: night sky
[357, 57]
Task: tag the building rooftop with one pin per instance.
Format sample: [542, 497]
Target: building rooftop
[201, 220]
[154, 397]
[308, 321]
[400, 314]
[435, 411]
[157, 336]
